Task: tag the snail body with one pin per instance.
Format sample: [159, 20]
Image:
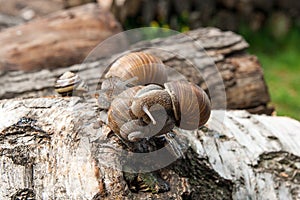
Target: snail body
[69, 84]
[143, 103]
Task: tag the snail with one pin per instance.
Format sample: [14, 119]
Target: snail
[145, 67]
[153, 110]
[123, 122]
[119, 112]
[70, 84]
[189, 103]
[137, 68]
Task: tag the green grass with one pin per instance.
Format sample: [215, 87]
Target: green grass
[280, 59]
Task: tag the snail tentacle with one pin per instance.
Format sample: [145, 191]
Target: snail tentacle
[146, 110]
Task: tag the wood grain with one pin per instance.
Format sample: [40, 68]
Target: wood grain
[59, 153]
[57, 40]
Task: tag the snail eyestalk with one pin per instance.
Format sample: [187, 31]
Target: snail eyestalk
[146, 110]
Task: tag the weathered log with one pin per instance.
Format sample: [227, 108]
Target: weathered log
[192, 54]
[31, 9]
[58, 40]
[52, 148]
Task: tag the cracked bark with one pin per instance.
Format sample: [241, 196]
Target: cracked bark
[52, 148]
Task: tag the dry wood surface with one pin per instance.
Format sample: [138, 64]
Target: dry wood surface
[57, 40]
[54, 148]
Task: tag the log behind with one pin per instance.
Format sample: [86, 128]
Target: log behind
[58, 40]
[241, 73]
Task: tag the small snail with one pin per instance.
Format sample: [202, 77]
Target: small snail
[70, 84]
[152, 110]
[137, 68]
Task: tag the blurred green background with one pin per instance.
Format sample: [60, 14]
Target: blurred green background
[280, 59]
[279, 55]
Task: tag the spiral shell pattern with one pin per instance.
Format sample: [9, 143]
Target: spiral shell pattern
[191, 104]
[70, 84]
[145, 67]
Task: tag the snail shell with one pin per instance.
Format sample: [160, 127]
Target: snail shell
[131, 127]
[190, 103]
[145, 67]
[110, 88]
[119, 112]
[70, 84]
[187, 103]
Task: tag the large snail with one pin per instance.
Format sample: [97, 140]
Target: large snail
[136, 68]
[123, 122]
[144, 67]
[69, 84]
[188, 102]
[153, 110]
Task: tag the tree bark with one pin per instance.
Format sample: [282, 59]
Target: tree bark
[54, 148]
[58, 40]
[235, 74]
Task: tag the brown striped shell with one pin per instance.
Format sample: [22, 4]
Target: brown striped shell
[119, 112]
[144, 66]
[191, 104]
[70, 84]
[131, 127]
